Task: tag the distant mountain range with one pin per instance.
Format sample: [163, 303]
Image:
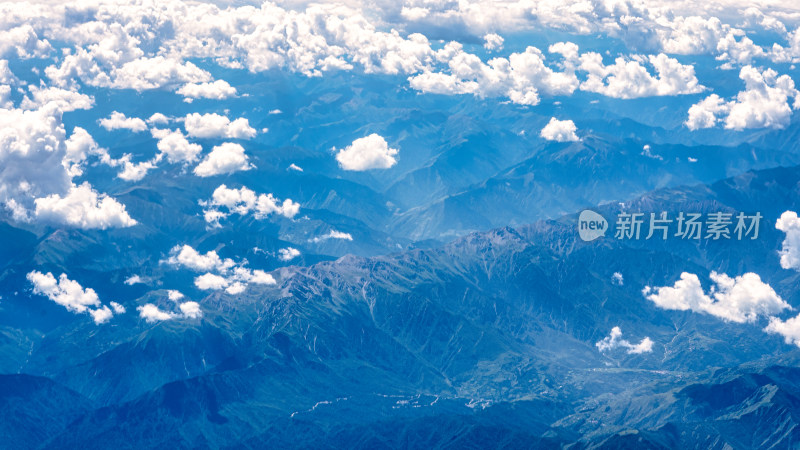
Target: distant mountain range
[486, 341]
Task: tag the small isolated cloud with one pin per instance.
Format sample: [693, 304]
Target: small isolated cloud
[186, 310]
[333, 234]
[186, 256]
[71, 295]
[295, 167]
[217, 126]
[233, 282]
[764, 103]
[151, 313]
[244, 201]
[118, 309]
[133, 279]
[210, 281]
[371, 152]
[67, 293]
[158, 119]
[134, 171]
[174, 295]
[118, 121]
[174, 145]
[83, 207]
[614, 341]
[790, 249]
[492, 42]
[220, 273]
[191, 310]
[560, 131]
[288, 253]
[741, 299]
[101, 315]
[217, 90]
[648, 152]
[617, 279]
[236, 281]
[225, 158]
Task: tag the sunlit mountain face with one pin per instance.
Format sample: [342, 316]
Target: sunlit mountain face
[419, 224]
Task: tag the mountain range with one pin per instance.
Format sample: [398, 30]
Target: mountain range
[486, 341]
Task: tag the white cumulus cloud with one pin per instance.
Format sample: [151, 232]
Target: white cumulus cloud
[217, 126]
[118, 309]
[174, 145]
[225, 158]
[187, 256]
[629, 78]
[614, 341]
[133, 279]
[217, 90]
[158, 119]
[64, 99]
[520, 77]
[789, 329]
[220, 274]
[370, 152]
[70, 294]
[740, 299]
[764, 103]
[210, 281]
[288, 253]
[83, 207]
[101, 315]
[560, 131]
[492, 41]
[790, 249]
[705, 113]
[37, 164]
[118, 121]
[244, 201]
[333, 234]
[174, 295]
[191, 310]
[151, 313]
